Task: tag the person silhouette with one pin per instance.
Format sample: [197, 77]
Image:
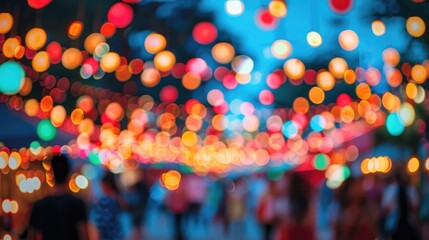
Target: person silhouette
[59, 215]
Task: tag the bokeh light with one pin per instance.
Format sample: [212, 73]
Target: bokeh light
[6, 22]
[120, 15]
[348, 40]
[35, 38]
[46, 131]
[416, 27]
[12, 77]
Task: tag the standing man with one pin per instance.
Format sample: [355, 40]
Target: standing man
[59, 215]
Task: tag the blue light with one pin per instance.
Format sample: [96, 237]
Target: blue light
[290, 129]
[317, 123]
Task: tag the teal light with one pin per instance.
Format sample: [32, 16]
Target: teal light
[46, 130]
[290, 129]
[394, 124]
[12, 77]
[34, 145]
[94, 157]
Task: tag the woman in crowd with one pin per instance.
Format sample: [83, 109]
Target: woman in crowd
[298, 221]
[107, 210]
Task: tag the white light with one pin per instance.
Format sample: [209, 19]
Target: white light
[234, 7]
[242, 64]
[81, 182]
[314, 39]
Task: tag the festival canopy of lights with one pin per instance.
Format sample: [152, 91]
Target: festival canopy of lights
[229, 106]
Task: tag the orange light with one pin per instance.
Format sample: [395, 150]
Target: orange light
[75, 29]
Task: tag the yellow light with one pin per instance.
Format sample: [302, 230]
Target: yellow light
[316, 95]
[35, 38]
[419, 73]
[281, 49]
[294, 68]
[411, 90]
[416, 27]
[58, 115]
[189, 138]
[155, 43]
[363, 91]
[301, 105]
[76, 116]
[314, 39]
[391, 56]
[349, 76]
[150, 77]
[92, 41]
[325, 80]
[348, 40]
[164, 61]
[75, 29]
[277, 8]
[191, 81]
[9, 47]
[347, 114]
[378, 28]
[41, 62]
[110, 62]
[71, 58]
[6, 22]
[171, 180]
[223, 52]
[337, 67]
[413, 165]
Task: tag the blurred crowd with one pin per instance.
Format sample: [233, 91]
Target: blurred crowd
[388, 206]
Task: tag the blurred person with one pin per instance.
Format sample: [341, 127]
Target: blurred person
[107, 210]
[424, 209]
[236, 207]
[177, 204]
[399, 205]
[355, 220]
[138, 196]
[222, 206]
[265, 211]
[298, 221]
[59, 215]
[196, 193]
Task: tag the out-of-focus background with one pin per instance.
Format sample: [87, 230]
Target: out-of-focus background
[219, 119]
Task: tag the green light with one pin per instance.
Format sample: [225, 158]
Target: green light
[321, 161]
[94, 158]
[46, 130]
[12, 77]
[34, 145]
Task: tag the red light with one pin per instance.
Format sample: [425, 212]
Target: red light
[55, 52]
[204, 33]
[168, 94]
[265, 19]
[341, 6]
[38, 4]
[120, 15]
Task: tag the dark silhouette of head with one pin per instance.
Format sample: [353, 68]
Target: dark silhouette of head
[108, 181]
[299, 196]
[61, 168]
